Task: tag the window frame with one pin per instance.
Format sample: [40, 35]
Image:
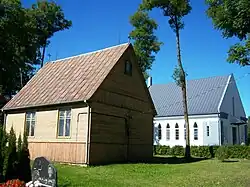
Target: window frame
[168, 132]
[64, 125]
[177, 131]
[32, 119]
[126, 71]
[196, 135]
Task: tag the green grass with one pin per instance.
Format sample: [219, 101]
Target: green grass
[200, 173]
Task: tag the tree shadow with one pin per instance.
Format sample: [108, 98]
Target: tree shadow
[156, 160]
[174, 160]
[230, 161]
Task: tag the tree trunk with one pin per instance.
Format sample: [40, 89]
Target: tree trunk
[43, 54]
[184, 94]
[21, 78]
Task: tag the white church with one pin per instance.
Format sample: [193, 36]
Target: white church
[216, 113]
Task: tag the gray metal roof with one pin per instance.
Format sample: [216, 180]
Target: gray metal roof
[203, 96]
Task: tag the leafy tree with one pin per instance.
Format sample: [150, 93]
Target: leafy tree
[18, 46]
[175, 10]
[232, 17]
[145, 43]
[23, 33]
[49, 19]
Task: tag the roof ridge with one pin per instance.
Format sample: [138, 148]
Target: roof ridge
[89, 53]
[228, 75]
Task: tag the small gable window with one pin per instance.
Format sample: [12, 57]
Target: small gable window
[64, 123]
[128, 68]
[195, 131]
[159, 131]
[168, 132]
[30, 123]
[176, 131]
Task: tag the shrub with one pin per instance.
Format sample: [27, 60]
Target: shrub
[234, 151]
[222, 153]
[162, 150]
[178, 150]
[239, 151]
[14, 160]
[201, 151]
[213, 150]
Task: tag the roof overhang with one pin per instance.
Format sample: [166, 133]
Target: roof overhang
[32, 107]
[238, 121]
[205, 115]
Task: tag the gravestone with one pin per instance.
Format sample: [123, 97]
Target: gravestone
[44, 172]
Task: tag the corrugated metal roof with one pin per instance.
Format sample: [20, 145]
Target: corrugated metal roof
[68, 80]
[203, 95]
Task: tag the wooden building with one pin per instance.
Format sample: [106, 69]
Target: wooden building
[93, 108]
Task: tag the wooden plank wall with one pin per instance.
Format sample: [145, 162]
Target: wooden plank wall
[66, 152]
[120, 95]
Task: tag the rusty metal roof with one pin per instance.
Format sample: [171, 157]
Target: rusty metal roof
[67, 80]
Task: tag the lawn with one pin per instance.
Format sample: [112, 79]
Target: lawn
[169, 173]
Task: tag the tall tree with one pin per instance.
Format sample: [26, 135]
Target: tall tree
[146, 44]
[248, 131]
[232, 17]
[18, 47]
[49, 19]
[175, 10]
[23, 33]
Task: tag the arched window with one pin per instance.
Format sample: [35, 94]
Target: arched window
[168, 132]
[176, 131]
[208, 131]
[195, 131]
[185, 131]
[159, 131]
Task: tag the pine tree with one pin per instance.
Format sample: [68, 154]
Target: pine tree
[19, 156]
[25, 160]
[3, 141]
[19, 147]
[10, 162]
[25, 141]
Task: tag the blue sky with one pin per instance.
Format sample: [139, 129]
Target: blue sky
[98, 24]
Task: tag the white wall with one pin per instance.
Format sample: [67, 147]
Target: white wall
[226, 106]
[202, 122]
